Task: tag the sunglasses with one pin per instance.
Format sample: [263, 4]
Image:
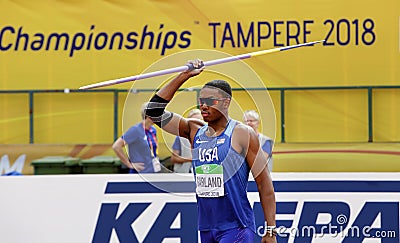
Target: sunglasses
[209, 101]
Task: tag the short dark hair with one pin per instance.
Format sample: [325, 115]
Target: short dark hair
[222, 86]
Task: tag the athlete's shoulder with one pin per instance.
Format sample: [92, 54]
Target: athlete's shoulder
[241, 127]
[243, 132]
[243, 136]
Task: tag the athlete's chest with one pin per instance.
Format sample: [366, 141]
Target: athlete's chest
[211, 149]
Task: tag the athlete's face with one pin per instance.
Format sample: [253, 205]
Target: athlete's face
[212, 104]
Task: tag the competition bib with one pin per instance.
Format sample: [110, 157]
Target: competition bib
[209, 180]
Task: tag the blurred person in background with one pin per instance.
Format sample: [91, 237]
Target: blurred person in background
[252, 119]
[181, 155]
[142, 143]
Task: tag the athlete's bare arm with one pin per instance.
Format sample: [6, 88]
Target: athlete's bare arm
[245, 141]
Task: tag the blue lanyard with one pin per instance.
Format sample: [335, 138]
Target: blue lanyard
[153, 148]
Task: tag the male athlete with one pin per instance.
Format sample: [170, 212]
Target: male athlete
[224, 152]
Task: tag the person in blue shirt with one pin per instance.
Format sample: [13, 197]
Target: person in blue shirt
[225, 151]
[181, 155]
[141, 142]
[252, 119]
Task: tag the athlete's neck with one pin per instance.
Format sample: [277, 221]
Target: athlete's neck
[217, 127]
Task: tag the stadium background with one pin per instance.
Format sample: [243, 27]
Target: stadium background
[329, 129]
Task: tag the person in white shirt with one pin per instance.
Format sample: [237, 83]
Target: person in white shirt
[252, 119]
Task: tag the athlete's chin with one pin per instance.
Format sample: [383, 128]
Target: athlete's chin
[207, 118]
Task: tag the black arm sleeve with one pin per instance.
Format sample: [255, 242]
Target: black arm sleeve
[156, 111]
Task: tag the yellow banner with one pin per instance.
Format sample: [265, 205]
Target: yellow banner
[68, 44]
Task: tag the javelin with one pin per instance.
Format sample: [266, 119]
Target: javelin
[186, 67]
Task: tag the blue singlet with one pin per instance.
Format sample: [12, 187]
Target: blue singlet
[232, 210]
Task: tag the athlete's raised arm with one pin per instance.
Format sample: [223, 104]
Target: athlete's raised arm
[168, 121]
